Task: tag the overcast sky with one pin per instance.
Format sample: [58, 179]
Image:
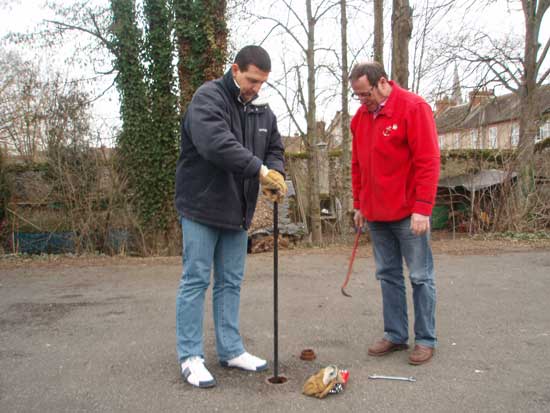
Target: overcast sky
[498, 19]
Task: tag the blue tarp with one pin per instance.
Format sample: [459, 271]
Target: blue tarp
[45, 242]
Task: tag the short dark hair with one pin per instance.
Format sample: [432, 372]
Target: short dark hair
[253, 55]
[372, 70]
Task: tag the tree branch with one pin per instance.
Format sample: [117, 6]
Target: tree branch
[285, 28]
[543, 77]
[543, 53]
[66, 26]
[288, 108]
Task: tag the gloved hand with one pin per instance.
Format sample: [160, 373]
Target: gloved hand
[273, 185]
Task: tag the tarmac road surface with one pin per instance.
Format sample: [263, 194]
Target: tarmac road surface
[100, 338]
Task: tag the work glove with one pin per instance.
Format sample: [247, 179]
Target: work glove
[273, 185]
[321, 383]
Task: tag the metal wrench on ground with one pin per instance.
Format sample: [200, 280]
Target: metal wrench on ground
[376, 376]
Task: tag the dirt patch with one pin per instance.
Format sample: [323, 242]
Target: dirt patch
[36, 314]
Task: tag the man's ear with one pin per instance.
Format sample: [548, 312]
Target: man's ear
[234, 68]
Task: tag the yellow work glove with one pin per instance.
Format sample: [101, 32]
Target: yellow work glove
[321, 383]
[273, 185]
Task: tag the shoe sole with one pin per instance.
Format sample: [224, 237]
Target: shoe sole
[207, 384]
[202, 384]
[258, 369]
[400, 347]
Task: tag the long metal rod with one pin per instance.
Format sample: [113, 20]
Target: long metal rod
[275, 290]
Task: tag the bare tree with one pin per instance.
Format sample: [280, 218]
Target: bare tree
[36, 111]
[346, 139]
[515, 64]
[379, 31]
[22, 107]
[402, 25]
[530, 80]
[303, 35]
[426, 18]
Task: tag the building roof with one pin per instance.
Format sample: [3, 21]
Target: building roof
[479, 180]
[292, 143]
[494, 110]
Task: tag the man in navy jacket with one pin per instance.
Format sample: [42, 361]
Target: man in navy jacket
[229, 145]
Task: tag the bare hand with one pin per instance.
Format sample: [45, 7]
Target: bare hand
[420, 224]
[358, 219]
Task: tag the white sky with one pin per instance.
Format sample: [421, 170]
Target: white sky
[24, 15]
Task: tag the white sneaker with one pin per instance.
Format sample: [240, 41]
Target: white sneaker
[246, 361]
[194, 371]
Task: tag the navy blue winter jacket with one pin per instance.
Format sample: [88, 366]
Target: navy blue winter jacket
[217, 171]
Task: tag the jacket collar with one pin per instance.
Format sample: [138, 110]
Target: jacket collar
[389, 106]
[233, 88]
[230, 84]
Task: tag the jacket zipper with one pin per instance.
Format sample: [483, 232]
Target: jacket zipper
[245, 141]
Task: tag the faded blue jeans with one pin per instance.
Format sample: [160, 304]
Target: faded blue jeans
[206, 247]
[393, 241]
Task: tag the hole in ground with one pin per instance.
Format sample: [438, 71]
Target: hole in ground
[277, 380]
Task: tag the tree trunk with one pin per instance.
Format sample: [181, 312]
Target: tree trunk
[529, 116]
[379, 31]
[402, 25]
[346, 140]
[134, 140]
[313, 159]
[201, 32]
[217, 38]
[528, 125]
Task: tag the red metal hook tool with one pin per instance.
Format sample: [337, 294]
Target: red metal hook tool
[355, 245]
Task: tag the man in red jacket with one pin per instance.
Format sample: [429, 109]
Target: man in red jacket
[395, 169]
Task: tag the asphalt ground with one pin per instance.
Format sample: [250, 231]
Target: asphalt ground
[77, 336]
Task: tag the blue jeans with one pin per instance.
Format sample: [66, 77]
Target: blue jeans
[205, 247]
[393, 241]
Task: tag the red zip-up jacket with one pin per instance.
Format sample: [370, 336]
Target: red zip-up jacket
[395, 158]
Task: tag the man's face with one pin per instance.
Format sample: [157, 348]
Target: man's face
[367, 94]
[250, 80]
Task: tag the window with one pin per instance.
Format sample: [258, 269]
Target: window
[441, 141]
[493, 137]
[474, 139]
[544, 131]
[456, 137]
[514, 138]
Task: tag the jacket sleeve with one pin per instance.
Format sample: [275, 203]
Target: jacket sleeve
[424, 147]
[275, 153]
[208, 123]
[355, 167]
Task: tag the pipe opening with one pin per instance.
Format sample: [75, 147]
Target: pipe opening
[308, 354]
[277, 380]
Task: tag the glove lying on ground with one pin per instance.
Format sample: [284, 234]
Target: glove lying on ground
[273, 185]
[321, 383]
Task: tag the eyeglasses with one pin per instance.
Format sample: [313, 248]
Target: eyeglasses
[359, 96]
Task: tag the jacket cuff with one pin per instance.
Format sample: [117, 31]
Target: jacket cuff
[423, 208]
[253, 168]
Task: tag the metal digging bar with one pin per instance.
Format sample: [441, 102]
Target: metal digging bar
[275, 291]
[276, 379]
